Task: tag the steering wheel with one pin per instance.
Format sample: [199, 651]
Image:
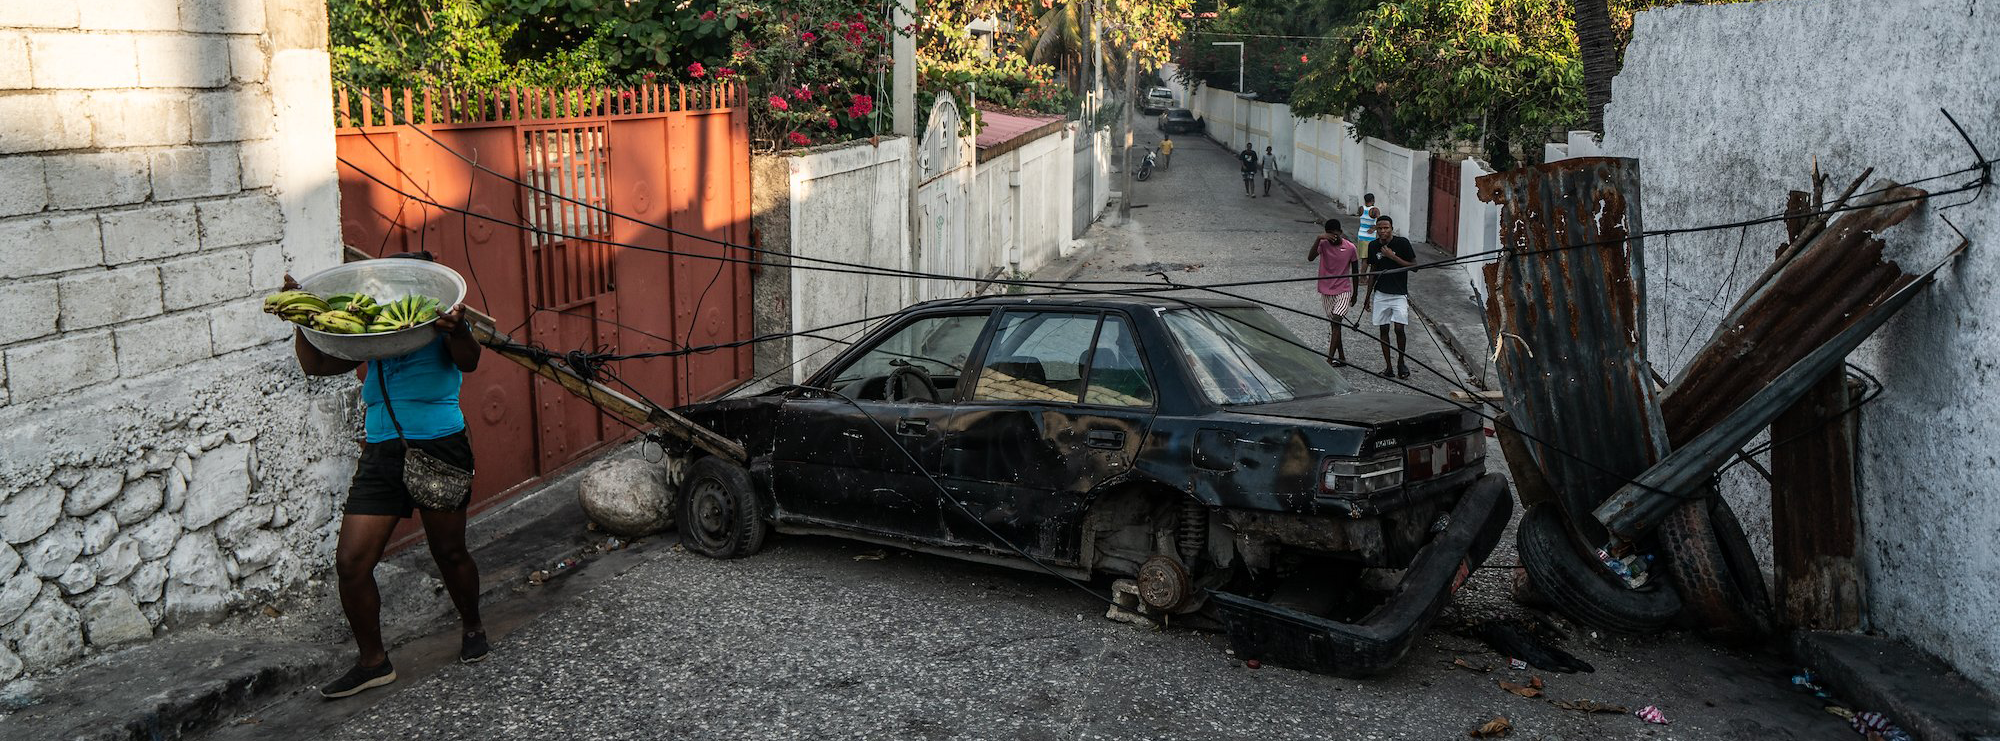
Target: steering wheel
[911, 383]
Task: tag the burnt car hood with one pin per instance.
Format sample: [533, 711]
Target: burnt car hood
[1393, 419]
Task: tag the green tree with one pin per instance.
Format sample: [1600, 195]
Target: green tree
[1503, 73]
[447, 43]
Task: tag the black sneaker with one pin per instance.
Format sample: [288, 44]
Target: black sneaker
[357, 679]
[473, 648]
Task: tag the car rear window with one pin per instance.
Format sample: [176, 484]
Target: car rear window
[1243, 356]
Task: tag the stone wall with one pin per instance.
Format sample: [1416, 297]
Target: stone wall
[164, 163]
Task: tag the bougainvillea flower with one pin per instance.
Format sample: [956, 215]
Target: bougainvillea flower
[708, 16]
[721, 72]
[798, 138]
[808, 37]
[696, 70]
[780, 104]
[803, 93]
[862, 105]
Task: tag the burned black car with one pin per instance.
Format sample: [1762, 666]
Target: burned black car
[1195, 448]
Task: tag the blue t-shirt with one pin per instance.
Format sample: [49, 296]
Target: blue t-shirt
[424, 387]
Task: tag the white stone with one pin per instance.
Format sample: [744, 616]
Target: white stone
[84, 60]
[38, 14]
[17, 594]
[49, 634]
[268, 266]
[112, 617]
[97, 179]
[10, 561]
[15, 72]
[239, 524]
[162, 344]
[96, 489]
[176, 487]
[130, 15]
[98, 530]
[101, 297]
[198, 581]
[141, 497]
[68, 476]
[259, 548]
[232, 116]
[148, 582]
[205, 279]
[223, 16]
[38, 246]
[27, 302]
[149, 232]
[10, 664]
[183, 61]
[117, 561]
[52, 553]
[67, 363]
[247, 60]
[628, 497]
[260, 163]
[196, 172]
[42, 122]
[221, 485]
[139, 118]
[157, 535]
[243, 324]
[76, 579]
[246, 220]
[26, 192]
[28, 513]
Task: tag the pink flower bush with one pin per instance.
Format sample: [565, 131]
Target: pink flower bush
[723, 72]
[708, 16]
[861, 106]
[803, 93]
[808, 37]
[798, 139]
[696, 70]
[779, 103]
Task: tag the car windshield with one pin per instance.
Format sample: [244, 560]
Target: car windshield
[1242, 356]
[1180, 113]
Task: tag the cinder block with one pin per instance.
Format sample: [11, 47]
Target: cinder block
[42, 122]
[243, 324]
[138, 118]
[205, 279]
[149, 233]
[31, 309]
[41, 369]
[268, 266]
[39, 246]
[14, 70]
[160, 344]
[97, 179]
[222, 16]
[248, 62]
[234, 221]
[31, 14]
[99, 298]
[235, 115]
[194, 172]
[183, 61]
[260, 163]
[84, 60]
[24, 191]
[129, 15]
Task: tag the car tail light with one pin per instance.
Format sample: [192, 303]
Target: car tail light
[1361, 476]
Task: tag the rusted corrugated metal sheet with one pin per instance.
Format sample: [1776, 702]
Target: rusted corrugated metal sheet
[1569, 315]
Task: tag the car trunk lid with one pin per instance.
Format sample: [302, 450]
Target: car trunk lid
[1392, 420]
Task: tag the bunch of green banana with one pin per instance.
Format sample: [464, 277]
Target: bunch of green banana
[358, 304]
[339, 322]
[297, 307]
[404, 313]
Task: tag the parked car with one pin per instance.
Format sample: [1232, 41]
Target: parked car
[1182, 121]
[1158, 99]
[1194, 447]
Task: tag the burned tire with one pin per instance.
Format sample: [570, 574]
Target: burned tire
[718, 513]
[1572, 581]
[1710, 562]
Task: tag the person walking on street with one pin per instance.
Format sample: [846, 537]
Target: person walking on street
[1268, 166]
[413, 410]
[1388, 294]
[1166, 151]
[1366, 234]
[1249, 159]
[1336, 284]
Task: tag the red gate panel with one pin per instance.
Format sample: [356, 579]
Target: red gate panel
[1444, 205]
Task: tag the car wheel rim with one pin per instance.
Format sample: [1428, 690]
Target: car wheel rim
[712, 514]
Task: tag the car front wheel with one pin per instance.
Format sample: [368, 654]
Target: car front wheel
[719, 513]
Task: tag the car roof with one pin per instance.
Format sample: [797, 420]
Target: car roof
[1097, 301]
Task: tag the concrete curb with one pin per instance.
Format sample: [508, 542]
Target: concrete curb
[1919, 693]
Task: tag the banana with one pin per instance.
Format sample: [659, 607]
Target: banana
[339, 322]
[277, 302]
[358, 304]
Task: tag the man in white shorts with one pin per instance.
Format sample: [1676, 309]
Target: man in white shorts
[1389, 294]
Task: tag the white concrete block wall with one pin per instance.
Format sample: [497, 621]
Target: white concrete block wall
[165, 163]
[1928, 515]
[849, 203]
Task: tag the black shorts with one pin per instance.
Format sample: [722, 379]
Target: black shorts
[378, 477]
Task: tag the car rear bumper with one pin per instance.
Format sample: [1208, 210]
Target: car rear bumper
[1285, 637]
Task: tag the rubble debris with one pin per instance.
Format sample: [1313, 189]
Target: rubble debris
[1877, 726]
[1467, 665]
[874, 555]
[1590, 706]
[1515, 643]
[1652, 714]
[1494, 728]
[1518, 689]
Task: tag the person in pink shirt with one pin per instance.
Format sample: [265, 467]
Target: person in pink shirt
[1336, 284]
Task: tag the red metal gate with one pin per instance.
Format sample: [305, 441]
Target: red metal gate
[1444, 204]
[565, 275]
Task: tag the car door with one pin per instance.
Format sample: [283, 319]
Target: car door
[1062, 402]
[853, 457]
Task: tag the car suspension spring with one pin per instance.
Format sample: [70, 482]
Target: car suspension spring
[1193, 535]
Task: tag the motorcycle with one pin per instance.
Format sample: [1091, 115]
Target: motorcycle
[1145, 166]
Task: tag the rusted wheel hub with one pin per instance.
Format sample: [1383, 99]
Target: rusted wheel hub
[1164, 584]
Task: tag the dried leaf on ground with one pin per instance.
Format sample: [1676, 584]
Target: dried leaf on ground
[1535, 682]
[1519, 689]
[1589, 706]
[1467, 665]
[1494, 728]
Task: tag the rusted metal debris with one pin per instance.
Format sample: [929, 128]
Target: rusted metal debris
[1572, 327]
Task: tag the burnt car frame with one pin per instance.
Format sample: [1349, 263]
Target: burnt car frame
[1195, 447]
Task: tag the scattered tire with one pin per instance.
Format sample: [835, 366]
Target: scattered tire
[719, 513]
[1710, 562]
[1571, 579]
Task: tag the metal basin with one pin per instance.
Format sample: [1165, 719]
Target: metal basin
[386, 279]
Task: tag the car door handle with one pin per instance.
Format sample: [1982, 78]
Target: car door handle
[912, 427]
[1112, 439]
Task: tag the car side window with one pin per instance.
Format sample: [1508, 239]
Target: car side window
[1037, 356]
[939, 346]
[1117, 373]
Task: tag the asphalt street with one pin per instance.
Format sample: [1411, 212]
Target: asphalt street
[823, 638]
